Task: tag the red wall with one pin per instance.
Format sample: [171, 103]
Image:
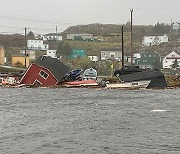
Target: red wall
[33, 73]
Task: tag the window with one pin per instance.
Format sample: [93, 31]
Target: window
[43, 74]
[112, 55]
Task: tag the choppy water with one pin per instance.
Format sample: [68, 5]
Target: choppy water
[89, 121]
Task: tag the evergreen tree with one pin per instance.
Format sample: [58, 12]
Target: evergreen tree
[30, 35]
[159, 29]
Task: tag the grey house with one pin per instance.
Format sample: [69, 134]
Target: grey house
[111, 54]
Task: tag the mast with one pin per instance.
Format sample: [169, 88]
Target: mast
[122, 53]
[131, 10]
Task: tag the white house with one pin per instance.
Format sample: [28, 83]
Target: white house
[79, 36]
[154, 40]
[169, 60]
[52, 53]
[94, 58]
[135, 56]
[175, 27]
[37, 45]
[52, 37]
[33, 54]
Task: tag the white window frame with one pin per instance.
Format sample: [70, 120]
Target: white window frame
[44, 73]
[37, 81]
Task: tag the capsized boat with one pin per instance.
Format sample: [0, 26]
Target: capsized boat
[72, 75]
[134, 73]
[89, 74]
[133, 84]
[88, 79]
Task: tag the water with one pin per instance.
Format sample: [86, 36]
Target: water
[89, 121]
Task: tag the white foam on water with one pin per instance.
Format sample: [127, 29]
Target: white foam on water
[158, 110]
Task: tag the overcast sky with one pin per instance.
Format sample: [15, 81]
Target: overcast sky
[42, 16]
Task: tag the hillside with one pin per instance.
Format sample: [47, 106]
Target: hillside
[112, 34]
[109, 32]
[15, 40]
[108, 29]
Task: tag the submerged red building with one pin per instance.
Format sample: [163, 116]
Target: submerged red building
[46, 71]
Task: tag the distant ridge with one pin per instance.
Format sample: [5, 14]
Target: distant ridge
[96, 29]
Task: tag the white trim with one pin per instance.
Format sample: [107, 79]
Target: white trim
[25, 73]
[42, 75]
[41, 68]
[37, 81]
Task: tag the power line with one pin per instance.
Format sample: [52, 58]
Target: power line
[32, 20]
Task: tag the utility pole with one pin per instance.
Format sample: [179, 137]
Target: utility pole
[56, 32]
[122, 47]
[25, 54]
[131, 10]
[171, 25]
[56, 29]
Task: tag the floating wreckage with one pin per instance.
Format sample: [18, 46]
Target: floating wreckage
[45, 72]
[131, 74]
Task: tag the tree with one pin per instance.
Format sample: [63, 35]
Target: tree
[159, 29]
[64, 49]
[82, 63]
[67, 49]
[30, 35]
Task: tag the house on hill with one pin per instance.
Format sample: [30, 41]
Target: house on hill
[52, 53]
[94, 58]
[19, 60]
[148, 60]
[79, 36]
[175, 28]
[154, 40]
[111, 54]
[37, 45]
[35, 49]
[52, 37]
[77, 53]
[170, 60]
[46, 71]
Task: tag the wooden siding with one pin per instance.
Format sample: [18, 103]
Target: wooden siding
[21, 59]
[32, 75]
